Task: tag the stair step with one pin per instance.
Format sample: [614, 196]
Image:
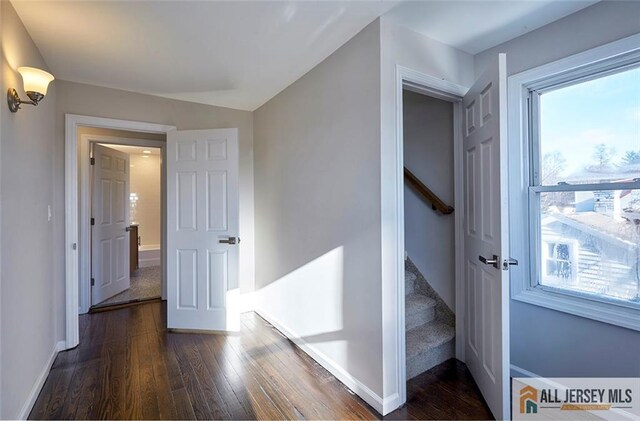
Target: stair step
[427, 346]
[419, 309]
[409, 282]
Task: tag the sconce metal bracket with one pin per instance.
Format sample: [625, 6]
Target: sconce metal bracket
[14, 101]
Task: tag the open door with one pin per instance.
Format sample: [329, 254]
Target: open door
[486, 236]
[202, 234]
[110, 222]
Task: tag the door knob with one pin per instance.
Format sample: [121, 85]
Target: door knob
[230, 240]
[493, 261]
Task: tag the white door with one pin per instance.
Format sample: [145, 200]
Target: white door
[203, 224]
[486, 236]
[110, 222]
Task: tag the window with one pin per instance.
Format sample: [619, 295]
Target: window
[585, 184]
[559, 263]
[579, 162]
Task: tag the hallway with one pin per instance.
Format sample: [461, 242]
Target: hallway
[129, 367]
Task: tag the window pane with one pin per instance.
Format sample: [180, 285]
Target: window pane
[589, 242]
[590, 132]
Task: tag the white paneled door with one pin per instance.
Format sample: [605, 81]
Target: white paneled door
[203, 224]
[110, 222]
[486, 236]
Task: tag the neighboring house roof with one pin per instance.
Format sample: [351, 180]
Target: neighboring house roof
[622, 233]
[610, 173]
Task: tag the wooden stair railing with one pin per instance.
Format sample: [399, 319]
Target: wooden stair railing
[436, 203]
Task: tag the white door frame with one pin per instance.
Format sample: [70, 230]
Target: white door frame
[448, 91]
[84, 245]
[72, 261]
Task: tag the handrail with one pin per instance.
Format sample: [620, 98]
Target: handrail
[436, 202]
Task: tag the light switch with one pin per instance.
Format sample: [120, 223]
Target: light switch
[49, 213]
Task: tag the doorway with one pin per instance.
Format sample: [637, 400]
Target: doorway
[429, 231]
[143, 208]
[128, 267]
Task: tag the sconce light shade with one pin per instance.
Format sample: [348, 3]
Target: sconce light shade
[35, 82]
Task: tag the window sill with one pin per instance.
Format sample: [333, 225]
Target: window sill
[613, 314]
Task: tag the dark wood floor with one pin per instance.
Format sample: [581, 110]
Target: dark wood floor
[129, 367]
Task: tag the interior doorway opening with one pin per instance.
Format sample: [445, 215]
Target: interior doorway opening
[121, 224]
[143, 205]
[429, 231]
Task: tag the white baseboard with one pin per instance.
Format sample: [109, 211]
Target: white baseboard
[391, 403]
[35, 390]
[341, 374]
[146, 263]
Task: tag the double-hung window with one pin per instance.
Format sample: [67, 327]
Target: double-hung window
[577, 166]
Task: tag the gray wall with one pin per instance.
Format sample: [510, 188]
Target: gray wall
[32, 177]
[27, 302]
[428, 153]
[547, 342]
[76, 98]
[317, 180]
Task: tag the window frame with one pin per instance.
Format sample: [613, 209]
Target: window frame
[524, 90]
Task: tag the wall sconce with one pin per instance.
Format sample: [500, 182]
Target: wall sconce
[35, 83]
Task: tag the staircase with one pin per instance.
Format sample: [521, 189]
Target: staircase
[430, 335]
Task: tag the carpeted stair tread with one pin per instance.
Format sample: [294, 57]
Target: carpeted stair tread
[428, 336]
[419, 309]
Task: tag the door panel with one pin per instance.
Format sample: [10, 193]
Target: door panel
[110, 210]
[203, 209]
[486, 235]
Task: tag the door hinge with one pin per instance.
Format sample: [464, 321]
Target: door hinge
[92, 161]
[93, 221]
[93, 281]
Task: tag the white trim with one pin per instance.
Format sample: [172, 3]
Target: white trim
[448, 91]
[84, 245]
[584, 63]
[521, 372]
[72, 122]
[620, 48]
[590, 309]
[37, 387]
[334, 368]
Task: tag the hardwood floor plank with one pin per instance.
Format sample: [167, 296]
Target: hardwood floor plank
[243, 382]
[208, 388]
[128, 366]
[58, 398]
[327, 390]
[183, 405]
[166, 406]
[198, 403]
[75, 392]
[311, 402]
[148, 387]
[236, 410]
[133, 404]
[111, 402]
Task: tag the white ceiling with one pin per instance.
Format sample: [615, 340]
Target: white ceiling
[240, 54]
[476, 25]
[236, 54]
